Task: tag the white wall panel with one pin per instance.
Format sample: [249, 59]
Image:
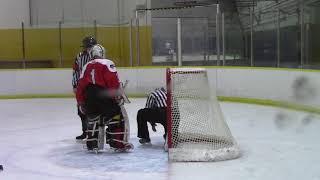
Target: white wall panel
[267, 84]
[35, 82]
[13, 12]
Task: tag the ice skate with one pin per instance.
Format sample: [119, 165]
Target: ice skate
[127, 148]
[144, 141]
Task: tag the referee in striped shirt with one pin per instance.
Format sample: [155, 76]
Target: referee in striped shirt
[154, 112]
[82, 59]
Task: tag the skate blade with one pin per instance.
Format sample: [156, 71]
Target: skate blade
[81, 141]
[123, 150]
[95, 150]
[147, 144]
[127, 148]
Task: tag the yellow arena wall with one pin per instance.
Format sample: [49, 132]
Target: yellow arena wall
[42, 44]
[10, 44]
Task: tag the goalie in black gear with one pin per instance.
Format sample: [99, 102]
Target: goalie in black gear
[104, 111]
[98, 95]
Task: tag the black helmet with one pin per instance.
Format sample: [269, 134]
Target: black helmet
[88, 42]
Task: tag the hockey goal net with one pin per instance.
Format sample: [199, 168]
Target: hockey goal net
[197, 130]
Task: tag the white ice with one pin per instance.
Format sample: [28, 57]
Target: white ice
[37, 142]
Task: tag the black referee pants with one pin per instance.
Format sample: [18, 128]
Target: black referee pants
[83, 121]
[154, 115]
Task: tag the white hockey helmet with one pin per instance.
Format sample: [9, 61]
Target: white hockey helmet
[97, 52]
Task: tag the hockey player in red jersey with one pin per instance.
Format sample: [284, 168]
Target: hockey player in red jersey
[98, 96]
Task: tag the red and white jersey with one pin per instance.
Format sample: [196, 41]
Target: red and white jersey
[101, 72]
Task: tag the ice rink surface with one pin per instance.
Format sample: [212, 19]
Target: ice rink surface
[38, 142]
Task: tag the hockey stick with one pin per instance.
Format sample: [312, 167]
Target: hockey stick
[123, 94]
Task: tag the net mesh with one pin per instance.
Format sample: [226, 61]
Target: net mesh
[198, 130]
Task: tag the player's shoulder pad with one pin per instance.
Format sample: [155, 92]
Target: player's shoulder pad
[110, 64]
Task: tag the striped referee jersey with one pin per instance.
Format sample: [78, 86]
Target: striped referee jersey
[82, 59]
[157, 99]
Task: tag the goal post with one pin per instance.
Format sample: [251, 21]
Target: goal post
[197, 130]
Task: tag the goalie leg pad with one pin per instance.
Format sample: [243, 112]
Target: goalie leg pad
[116, 134]
[92, 133]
